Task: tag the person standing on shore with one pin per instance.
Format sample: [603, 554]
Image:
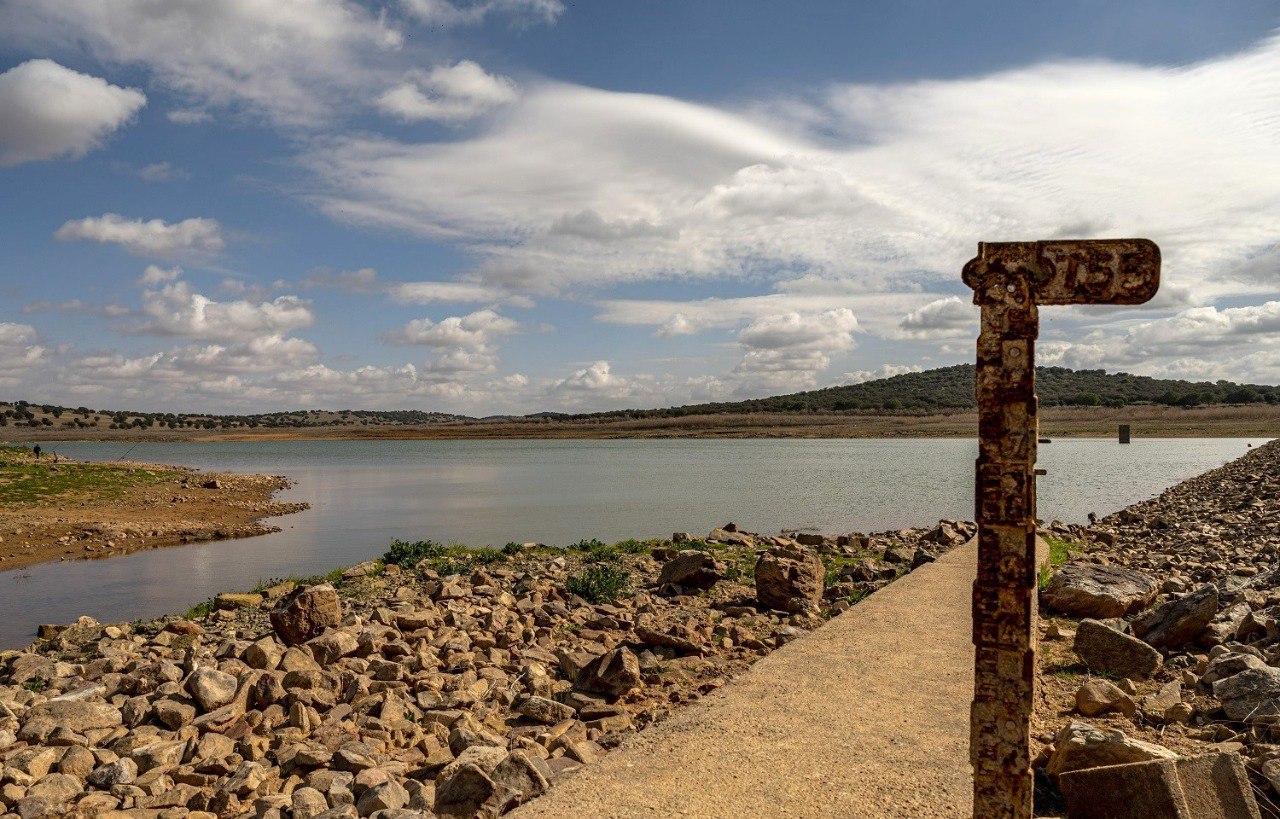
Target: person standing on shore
[36, 450]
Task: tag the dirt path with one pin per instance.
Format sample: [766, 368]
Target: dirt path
[76, 511]
[867, 716]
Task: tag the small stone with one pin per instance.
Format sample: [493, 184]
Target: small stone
[614, 672]
[1081, 745]
[389, 795]
[546, 711]
[121, 772]
[1107, 651]
[212, 688]
[692, 569]
[306, 612]
[1098, 697]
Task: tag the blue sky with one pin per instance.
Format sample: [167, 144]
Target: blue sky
[522, 205]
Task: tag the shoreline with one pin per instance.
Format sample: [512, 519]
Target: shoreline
[467, 682]
[1252, 421]
[70, 510]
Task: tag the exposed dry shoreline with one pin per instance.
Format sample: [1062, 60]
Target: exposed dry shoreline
[78, 511]
[1258, 420]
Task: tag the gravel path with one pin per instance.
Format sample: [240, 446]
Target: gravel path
[868, 717]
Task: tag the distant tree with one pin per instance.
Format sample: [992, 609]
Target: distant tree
[1242, 395]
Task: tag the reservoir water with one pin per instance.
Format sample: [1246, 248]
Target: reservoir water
[364, 494]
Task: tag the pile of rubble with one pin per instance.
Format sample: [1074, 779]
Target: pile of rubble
[404, 691]
[1170, 609]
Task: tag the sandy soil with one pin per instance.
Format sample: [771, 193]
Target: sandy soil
[76, 511]
[1253, 421]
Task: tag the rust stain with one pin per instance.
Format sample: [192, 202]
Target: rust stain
[1010, 280]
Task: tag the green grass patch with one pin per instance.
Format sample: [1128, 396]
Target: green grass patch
[598, 584]
[27, 483]
[199, 610]
[443, 560]
[1059, 552]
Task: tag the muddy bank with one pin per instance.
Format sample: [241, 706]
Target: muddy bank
[64, 510]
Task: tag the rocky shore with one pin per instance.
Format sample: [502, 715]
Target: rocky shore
[437, 682]
[58, 509]
[1161, 632]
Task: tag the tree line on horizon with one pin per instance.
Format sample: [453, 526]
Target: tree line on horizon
[931, 391]
[953, 388]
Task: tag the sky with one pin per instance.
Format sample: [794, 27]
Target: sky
[509, 206]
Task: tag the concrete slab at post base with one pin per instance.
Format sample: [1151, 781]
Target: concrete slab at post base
[1212, 786]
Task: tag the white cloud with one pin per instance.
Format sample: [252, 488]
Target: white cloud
[472, 332]
[472, 12]
[189, 116]
[889, 189]
[786, 352]
[289, 60]
[51, 112]
[455, 292]
[448, 93]
[194, 238]
[20, 352]
[883, 371]
[161, 172]
[154, 275]
[175, 309]
[948, 317]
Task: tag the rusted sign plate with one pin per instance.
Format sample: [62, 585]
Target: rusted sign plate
[1068, 271]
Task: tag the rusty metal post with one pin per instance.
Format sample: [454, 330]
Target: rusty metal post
[1010, 280]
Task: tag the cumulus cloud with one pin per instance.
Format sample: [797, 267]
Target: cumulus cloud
[787, 351]
[472, 331]
[175, 309]
[472, 12]
[944, 318]
[290, 61]
[447, 93]
[20, 351]
[883, 371]
[190, 238]
[161, 172]
[51, 111]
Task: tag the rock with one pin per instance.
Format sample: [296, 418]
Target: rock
[1080, 745]
[615, 673]
[548, 712]
[692, 569]
[56, 788]
[1178, 621]
[464, 785]
[525, 775]
[1107, 651]
[333, 646]
[306, 612]
[389, 795]
[234, 602]
[1098, 697]
[1086, 590]
[1224, 625]
[790, 578]
[121, 772]
[75, 715]
[1213, 785]
[1157, 705]
[900, 555]
[1253, 693]
[212, 688]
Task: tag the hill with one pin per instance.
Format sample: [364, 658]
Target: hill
[952, 388]
[23, 413]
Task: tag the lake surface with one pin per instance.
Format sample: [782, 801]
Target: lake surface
[364, 494]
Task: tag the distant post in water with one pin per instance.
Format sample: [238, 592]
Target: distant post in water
[1010, 280]
[1124, 433]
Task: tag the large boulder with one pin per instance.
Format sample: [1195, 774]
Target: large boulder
[306, 612]
[1253, 693]
[1178, 621]
[692, 569]
[615, 673]
[212, 688]
[790, 578]
[1085, 590]
[1107, 651]
[1080, 745]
